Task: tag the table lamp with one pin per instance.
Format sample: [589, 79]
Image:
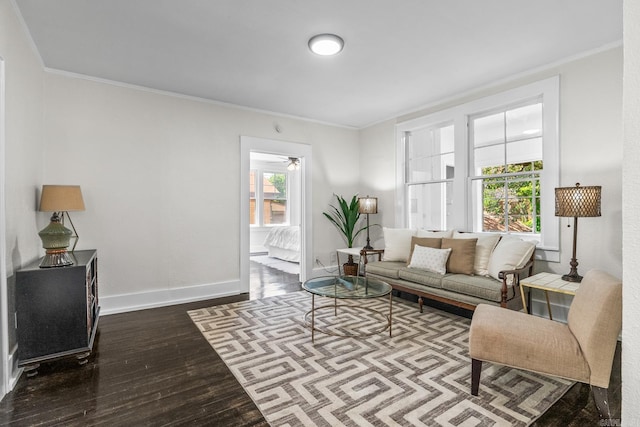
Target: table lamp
[577, 202]
[368, 205]
[59, 199]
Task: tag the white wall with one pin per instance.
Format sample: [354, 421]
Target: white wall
[23, 153]
[160, 177]
[590, 153]
[378, 174]
[631, 227]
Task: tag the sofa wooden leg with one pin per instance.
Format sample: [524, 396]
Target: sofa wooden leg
[420, 302]
[476, 368]
[600, 396]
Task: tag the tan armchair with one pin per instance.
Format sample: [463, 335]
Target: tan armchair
[581, 350]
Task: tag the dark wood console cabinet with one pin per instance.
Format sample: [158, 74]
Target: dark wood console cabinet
[57, 310]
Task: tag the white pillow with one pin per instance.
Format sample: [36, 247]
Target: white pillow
[485, 245]
[510, 254]
[430, 259]
[426, 233]
[397, 243]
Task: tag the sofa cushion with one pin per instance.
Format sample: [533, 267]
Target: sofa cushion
[386, 268]
[510, 254]
[435, 234]
[463, 254]
[423, 277]
[477, 286]
[485, 245]
[427, 242]
[430, 259]
[397, 243]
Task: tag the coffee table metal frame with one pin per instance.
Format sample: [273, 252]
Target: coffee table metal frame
[347, 288]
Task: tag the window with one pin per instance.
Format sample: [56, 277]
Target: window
[268, 198]
[274, 190]
[507, 163]
[430, 171]
[490, 165]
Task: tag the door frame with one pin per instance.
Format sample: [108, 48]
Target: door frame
[5, 369]
[282, 148]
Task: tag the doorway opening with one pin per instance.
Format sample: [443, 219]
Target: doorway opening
[275, 211]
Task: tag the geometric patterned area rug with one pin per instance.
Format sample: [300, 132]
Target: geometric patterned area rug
[419, 377]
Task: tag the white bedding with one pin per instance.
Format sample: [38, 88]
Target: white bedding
[284, 243]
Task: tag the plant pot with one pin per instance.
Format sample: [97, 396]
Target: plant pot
[350, 269]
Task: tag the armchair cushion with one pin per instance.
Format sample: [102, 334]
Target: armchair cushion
[523, 341]
[595, 319]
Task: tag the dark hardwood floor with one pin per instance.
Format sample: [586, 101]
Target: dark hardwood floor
[154, 368]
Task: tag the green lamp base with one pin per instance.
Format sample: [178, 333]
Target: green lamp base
[56, 259]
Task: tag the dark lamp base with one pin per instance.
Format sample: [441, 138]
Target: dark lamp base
[368, 247]
[572, 277]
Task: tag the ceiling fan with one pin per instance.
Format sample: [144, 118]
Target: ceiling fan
[293, 163]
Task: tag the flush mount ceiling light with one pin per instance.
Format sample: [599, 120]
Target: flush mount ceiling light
[326, 44]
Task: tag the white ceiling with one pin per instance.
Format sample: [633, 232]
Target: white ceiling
[398, 55]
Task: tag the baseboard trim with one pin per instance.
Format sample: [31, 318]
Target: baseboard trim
[123, 303]
[12, 358]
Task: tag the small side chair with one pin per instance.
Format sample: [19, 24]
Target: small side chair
[581, 350]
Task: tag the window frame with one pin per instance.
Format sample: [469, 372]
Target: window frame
[259, 173]
[462, 218]
[433, 181]
[477, 219]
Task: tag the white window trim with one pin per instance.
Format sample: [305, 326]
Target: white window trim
[548, 248]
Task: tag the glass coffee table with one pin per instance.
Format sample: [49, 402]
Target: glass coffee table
[347, 288]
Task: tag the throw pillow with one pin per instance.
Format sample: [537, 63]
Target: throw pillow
[430, 259]
[486, 243]
[427, 233]
[427, 242]
[463, 254]
[397, 243]
[510, 254]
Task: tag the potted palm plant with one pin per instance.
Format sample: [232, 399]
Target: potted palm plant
[345, 217]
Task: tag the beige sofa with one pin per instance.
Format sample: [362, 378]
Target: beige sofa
[479, 267]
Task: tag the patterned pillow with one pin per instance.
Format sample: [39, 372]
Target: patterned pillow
[430, 259]
[427, 242]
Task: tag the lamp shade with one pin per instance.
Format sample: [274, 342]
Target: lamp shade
[578, 201]
[368, 205]
[61, 198]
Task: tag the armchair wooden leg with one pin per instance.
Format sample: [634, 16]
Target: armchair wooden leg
[476, 368]
[420, 303]
[601, 398]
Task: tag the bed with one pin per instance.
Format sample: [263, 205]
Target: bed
[284, 243]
